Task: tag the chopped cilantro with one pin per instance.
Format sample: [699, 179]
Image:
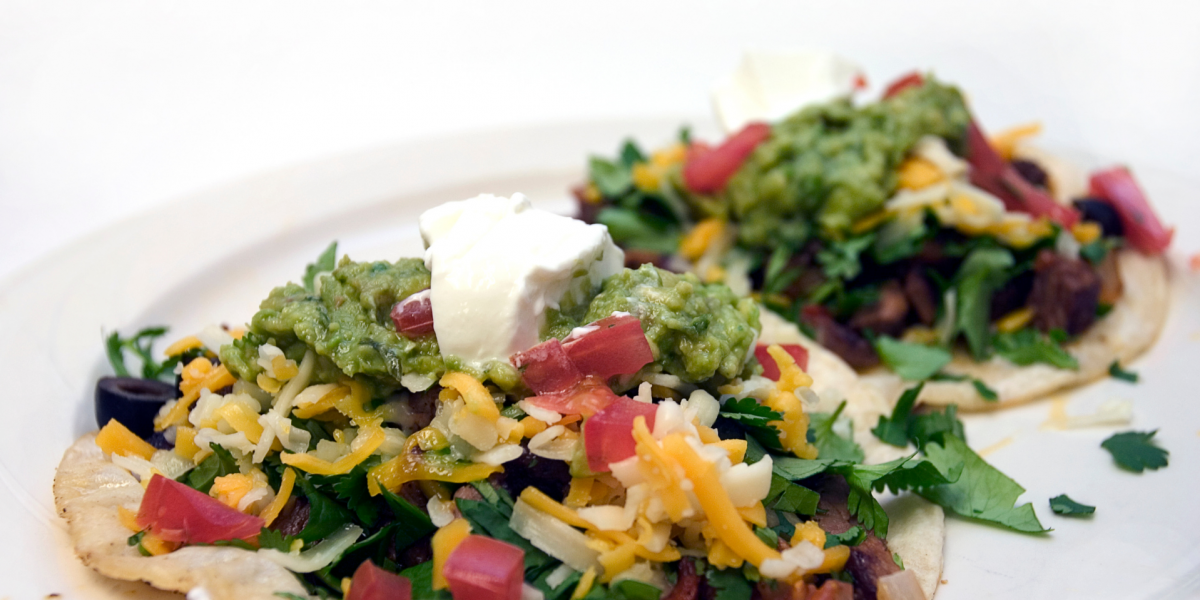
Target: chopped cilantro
[894, 429]
[325, 263]
[913, 362]
[631, 154]
[421, 577]
[612, 179]
[840, 260]
[777, 276]
[728, 584]
[982, 272]
[755, 419]
[639, 229]
[896, 559]
[851, 537]
[1118, 373]
[767, 536]
[931, 426]
[829, 444]
[1135, 451]
[981, 388]
[136, 538]
[790, 497]
[271, 538]
[981, 492]
[140, 345]
[325, 514]
[1027, 346]
[217, 464]
[629, 589]
[290, 596]
[1063, 505]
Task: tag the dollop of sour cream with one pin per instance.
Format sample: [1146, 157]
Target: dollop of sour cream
[769, 86]
[498, 263]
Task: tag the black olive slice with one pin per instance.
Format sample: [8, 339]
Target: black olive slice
[131, 401]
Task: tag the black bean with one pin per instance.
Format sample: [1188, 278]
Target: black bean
[1031, 172]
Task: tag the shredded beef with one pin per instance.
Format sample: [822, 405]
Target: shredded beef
[829, 590]
[293, 518]
[1014, 294]
[1111, 286]
[885, 315]
[869, 560]
[422, 408]
[922, 295]
[1031, 172]
[687, 582]
[1065, 293]
[635, 258]
[587, 210]
[840, 339]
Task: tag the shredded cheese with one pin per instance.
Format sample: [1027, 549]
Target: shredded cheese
[271, 512]
[368, 440]
[445, 540]
[180, 346]
[115, 438]
[478, 399]
[212, 379]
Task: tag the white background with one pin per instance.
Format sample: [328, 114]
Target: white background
[110, 108]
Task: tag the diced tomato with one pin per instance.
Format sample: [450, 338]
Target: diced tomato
[991, 173]
[914, 79]
[617, 346]
[372, 583]
[608, 434]
[547, 369]
[860, 82]
[770, 369]
[484, 568]
[587, 398]
[708, 172]
[413, 316]
[1142, 228]
[175, 512]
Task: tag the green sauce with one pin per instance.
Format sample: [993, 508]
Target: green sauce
[831, 164]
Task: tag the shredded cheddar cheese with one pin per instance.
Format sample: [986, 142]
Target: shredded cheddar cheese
[272, 510]
[445, 540]
[115, 438]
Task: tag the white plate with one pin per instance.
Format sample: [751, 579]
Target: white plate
[211, 257]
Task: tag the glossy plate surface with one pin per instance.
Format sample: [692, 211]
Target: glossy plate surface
[212, 256]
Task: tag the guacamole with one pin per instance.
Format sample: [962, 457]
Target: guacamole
[831, 164]
[348, 324]
[697, 331]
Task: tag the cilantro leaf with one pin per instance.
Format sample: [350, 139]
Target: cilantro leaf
[982, 272]
[981, 388]
[1063, 505]
[631, 589]
[612, 179]
[271, 538]
[755, 419]
[641, 230]
[894, 430]
[492, 520]
[352, 489]
[829, 444]
[840, 260]
[729, 584]
[851, 537]
[218, 464]
[897, 475]
[1135, 451]
[896, 559]
[421, 577]
[325, 515]
[631, 154]
[981, 491]
[1026, 347]
[777, 276]
[931, 426]
[324, 263]
[790, 497]
[141, 345]
[914, 362]
[1117, 372]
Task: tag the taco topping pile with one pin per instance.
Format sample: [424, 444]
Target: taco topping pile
[886, 230]
[627, 446]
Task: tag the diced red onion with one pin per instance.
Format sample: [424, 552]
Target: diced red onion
[617, 346]
[177, 513]
[372, 583]
[546, 368]
[608, 434]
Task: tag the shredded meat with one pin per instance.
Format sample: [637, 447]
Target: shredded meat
[922, 295]
[869, 560]
[830, 590]
[1111, 287]
[1014, 294]
[886, 315]
[839, 339]
[1065, 293]
[687, 582]
[635, 258]
[293, 518]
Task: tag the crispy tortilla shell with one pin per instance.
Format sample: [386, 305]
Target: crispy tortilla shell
[88, 488]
